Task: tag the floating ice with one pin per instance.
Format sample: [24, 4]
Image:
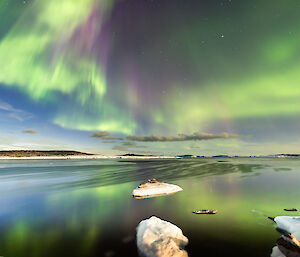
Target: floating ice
[153, 188]
[159, 238]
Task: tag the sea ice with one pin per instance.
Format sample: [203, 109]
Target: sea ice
[153, 188]
[290, 224]
[159, 238]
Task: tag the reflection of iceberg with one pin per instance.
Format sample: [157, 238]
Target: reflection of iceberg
[159, 238]
[276, 252]
[287, 245]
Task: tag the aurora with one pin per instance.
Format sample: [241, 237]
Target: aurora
[143, 68]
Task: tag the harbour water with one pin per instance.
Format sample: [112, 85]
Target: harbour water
[85, 208]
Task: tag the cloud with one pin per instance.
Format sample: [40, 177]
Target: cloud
[101, 134]
[112, 138]
[29, 131]
[126, 146]
[133, 145]
[130, 144]
[128, 149]
[5, 106]
[105, 136]
[182, 137]
[14, 113]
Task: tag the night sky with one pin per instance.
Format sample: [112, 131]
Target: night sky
[150, 76]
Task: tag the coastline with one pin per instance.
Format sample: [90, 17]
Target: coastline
[74, 155]
[85, 157]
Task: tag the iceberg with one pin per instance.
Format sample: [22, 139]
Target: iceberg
[289, 224]
[153, 188]
[288, 244]
[159, 238]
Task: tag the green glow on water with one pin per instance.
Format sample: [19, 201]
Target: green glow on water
[80, 219]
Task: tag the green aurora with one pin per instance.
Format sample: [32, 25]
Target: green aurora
[209, 66]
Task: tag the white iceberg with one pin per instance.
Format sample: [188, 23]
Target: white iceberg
[153, 188]
[287, 245]
[159, 238]
[290, 224]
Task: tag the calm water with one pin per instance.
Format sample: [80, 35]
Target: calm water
[84, 207]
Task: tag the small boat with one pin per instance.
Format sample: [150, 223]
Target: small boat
[206, 212]
[293, 209]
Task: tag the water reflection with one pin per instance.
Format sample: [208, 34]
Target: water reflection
[179, 169]
[60, 175]
[85, 208]
[82, 222]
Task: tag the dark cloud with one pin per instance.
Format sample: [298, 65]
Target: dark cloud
[29, 131]
[129, 144]
[105, 136]
[182, 137]
[132, 145]
[112, 138]
[101, 134]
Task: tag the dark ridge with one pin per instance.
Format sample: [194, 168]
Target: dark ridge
[133, 154]
[185, 156]
[34, 153]
[288, 155]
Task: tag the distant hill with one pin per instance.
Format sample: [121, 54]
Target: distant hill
[133, 154]
[34, 153]
[283, 155]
